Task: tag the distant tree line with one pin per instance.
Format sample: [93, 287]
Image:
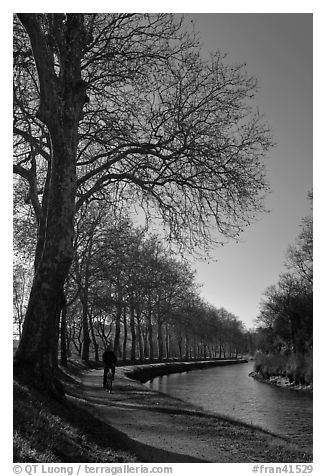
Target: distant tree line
[285, 323]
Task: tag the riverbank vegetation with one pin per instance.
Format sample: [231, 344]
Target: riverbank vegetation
[297, 369]
[285, 324]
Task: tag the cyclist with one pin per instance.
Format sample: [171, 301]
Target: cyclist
[109, 360]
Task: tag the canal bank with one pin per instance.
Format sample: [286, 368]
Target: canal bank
[229, 391]
[280, 381]
[145, 372]
[159, 428]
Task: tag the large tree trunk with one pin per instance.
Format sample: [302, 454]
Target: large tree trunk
[61, 100]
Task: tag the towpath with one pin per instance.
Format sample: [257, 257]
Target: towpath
[158, 428]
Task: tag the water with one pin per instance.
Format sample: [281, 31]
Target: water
[229, 391]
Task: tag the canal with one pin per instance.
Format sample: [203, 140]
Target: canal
[229, 391]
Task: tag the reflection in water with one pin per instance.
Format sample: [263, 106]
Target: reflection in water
[228, 390]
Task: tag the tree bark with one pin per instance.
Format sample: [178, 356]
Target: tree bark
[187, 352]
[180, 347]
[125, 335]
[145, 341]
[139, 333]
[159, 340]
[95, 343]
[167, 342]
[86, 337]
[132, 332]
[63, 335]
[150, 331]
[116, 344]
[61, 101]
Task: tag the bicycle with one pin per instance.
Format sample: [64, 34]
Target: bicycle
[109, 380]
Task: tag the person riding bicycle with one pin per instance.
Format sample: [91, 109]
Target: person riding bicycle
[109, 360]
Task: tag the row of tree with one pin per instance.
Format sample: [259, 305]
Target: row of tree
[125, 287]
[285, 323]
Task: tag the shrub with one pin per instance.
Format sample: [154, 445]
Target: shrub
[297, 367]
[300, 368]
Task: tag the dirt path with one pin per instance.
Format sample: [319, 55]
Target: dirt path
[159, 428]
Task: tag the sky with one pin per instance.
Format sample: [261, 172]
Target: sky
[277, 49]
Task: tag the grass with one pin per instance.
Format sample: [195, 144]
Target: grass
[48, 431]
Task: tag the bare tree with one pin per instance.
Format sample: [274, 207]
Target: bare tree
[300, 254]
[123, 105]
